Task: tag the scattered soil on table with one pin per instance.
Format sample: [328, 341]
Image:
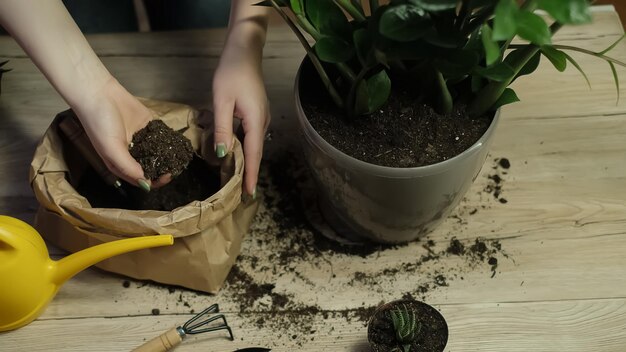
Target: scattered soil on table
[285, 244]
[160, 150]
[402, 133]
[432, 335]
[197, 182]
[496, 179]
[265, 284]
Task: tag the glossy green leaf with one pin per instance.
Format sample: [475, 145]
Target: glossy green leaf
[555, 56]
[504, 25]
[434, 5]
[533, 28]
[474, 41]
[333, 49]
[404, 23]
[499, 72]
[575, 64]
[364, 46]
[378, 89]
[442, 39]
[297, 6]
[457, 63]
[616, 79]
[507, 97]
[530, 66]
[328, 18]
[567, 11]
[492, 50]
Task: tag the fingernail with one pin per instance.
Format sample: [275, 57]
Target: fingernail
[254, 193]
[143, 184]
[117, 184]
[220, 150]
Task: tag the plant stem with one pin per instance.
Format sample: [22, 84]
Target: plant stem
[489, 94]
[311, 54]
[347, 6]
[373, 6]
[351, 101]
[586, 51]
[346, 71]
[308, 27]
[464, 15]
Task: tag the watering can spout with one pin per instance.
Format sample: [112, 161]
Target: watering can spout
[74, 263]
[29, 279]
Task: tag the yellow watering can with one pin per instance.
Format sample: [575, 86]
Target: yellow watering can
[29, 279]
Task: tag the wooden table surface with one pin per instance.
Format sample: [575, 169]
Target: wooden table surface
[560, 283]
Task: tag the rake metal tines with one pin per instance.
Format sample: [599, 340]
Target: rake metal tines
[198, 324]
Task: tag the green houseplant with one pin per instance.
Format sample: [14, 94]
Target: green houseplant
[455, 57]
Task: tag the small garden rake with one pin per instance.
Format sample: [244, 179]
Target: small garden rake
[196, 325]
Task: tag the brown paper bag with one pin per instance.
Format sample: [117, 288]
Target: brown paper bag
[207, 233]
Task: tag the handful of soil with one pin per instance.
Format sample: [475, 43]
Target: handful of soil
[161, 150]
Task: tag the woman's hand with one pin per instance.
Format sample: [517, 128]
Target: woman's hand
[111, 118]
[238, 89]
[109, 114]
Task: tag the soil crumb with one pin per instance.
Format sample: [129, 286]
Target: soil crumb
[160, 150]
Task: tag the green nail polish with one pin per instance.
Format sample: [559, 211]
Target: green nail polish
[220, 150]
[254, 194]
[143, 184]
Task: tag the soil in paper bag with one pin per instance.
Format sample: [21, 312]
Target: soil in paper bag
[160, 150]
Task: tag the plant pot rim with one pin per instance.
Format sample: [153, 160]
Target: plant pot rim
[414, 301]
[387, 171]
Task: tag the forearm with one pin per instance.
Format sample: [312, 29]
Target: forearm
[48, 34]
[247, 26]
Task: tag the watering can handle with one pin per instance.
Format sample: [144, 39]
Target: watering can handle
[162, 343]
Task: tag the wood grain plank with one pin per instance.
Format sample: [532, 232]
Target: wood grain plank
[210, 42]
[577, 326]
[538, 266]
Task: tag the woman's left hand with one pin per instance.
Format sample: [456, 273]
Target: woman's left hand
[238, 91]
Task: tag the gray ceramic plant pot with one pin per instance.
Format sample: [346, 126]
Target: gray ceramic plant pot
[363, 201]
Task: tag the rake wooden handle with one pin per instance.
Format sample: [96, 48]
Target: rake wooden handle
[162, 343]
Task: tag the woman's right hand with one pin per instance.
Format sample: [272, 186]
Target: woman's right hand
[108, 112]
[111, 117]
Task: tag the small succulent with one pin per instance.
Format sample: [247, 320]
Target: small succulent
[2, 70]
[406, 326]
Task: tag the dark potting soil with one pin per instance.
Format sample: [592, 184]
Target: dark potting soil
[197, 182]
[161, 150]
[402, 133]
[432, 335]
